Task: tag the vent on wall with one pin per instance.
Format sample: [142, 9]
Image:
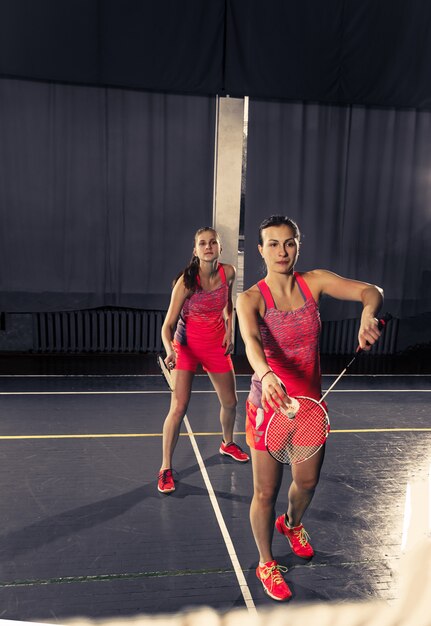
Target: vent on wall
[341, 337]
[100, 330]
[129, 330]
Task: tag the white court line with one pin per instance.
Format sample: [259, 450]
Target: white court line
[162, 391]
[223, 528]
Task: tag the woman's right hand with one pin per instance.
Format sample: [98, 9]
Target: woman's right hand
[171, 360]
[274, 393]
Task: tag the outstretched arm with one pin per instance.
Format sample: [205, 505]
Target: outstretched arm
[371, 297]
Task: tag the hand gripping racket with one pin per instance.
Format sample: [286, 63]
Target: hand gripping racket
[295, 435]
[167, 374]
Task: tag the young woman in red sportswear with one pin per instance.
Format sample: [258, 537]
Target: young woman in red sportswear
[280, 325]
[198, 329]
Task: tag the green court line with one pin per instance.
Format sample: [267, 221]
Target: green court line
[65, 580]
[208, 434]
[113, 577]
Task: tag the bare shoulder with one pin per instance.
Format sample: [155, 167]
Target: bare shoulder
[250, 298]
[317, 280]
[326, 282]
[324, 278]
[180, 290]
[178, 297]
[319, 277]
[230, 272]
[316, 275]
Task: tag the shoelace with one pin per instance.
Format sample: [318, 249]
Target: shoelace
[274, 572]
[165, 475]
[303, 536]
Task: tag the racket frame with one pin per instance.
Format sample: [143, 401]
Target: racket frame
[166, 372]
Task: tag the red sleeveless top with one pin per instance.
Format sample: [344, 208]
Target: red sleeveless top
[290, 341]
[201, 317]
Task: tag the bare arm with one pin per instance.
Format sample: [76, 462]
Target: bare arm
[228, 310]
[178, 297]
[247, 307]
[369, 295]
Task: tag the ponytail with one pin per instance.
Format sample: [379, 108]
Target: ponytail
[190, 274]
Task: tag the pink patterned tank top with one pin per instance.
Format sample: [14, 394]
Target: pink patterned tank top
[201, 317]
[291, 344]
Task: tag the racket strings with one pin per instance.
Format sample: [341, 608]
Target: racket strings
[296, 440]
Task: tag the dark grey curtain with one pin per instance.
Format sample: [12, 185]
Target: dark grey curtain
[368, 52]
[358, 181]
[101, 191]
[164, 46]
[365, 52]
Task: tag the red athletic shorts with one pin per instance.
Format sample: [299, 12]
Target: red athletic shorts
[212, 357]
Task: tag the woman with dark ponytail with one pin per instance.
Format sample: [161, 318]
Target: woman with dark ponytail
[198, 329]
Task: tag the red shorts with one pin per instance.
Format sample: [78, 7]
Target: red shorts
[212, 358]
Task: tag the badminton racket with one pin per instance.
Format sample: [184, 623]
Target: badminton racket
[167, 373]
[296, 434]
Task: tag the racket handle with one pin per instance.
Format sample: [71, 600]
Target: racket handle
[384, 320]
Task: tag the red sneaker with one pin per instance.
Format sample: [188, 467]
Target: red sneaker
[231, 449]
[165, 483]
[273, 582]
[297, 536]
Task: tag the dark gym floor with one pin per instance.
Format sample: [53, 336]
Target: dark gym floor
[84, 531]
